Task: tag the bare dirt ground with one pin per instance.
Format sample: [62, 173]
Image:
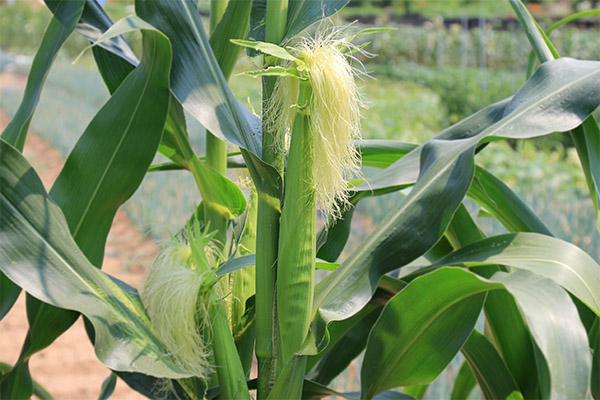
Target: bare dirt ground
[68, 369]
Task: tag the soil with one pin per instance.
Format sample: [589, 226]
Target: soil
[69, 369]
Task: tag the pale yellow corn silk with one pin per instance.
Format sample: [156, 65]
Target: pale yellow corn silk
[334, 115]
[177, 295]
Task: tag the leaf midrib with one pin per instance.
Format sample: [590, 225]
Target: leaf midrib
[118, 148]
[384, 376]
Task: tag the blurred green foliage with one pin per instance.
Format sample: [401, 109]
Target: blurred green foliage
[434, 44]
[463, 91]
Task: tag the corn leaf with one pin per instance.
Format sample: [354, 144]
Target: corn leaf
[61, 26]
[464, 383]
[560, 261]
[196, 79]
[558, 332]
[413, 322]
[503, 204]
[9, 293]
[489, 369]
[398, 352]
[559, 96]
[39, 254]
[234, 24]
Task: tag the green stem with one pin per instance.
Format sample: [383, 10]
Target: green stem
[216, 149]
[268, 227]
[531, 30]
[276, 20]
[217, 9]
[297, 236]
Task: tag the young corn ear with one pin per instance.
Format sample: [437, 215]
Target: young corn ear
[177, 294]
[334, 115]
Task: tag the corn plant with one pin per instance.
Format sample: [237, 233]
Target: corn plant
[236, 285]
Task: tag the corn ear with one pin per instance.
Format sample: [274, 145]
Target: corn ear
[296, 262]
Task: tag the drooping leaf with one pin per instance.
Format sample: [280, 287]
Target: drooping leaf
[556, 328]
[38, 390]
[464, 383]
[400, 350]
[61, 26]
[563, 262]
[382, 153]
[559, 96]
[503, 204]
[39, 254]
[489, 369]
[9, 293]
[503, 318]
[548, 310]
[234, 24]
[196, 79]
[345, 349]
[587, 140]
[103, 170]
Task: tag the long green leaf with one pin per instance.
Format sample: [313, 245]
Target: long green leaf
[104, 169]
[464, 383]
[505, 322]
[407, 233]
[585, 137]
[382, 153]
[61, 26]
[217, 191]
[345, 349]
[233, 25]
[196, 79]
[503, 204]
[587, 140]
[555, 325]
[421, 329]
[489, 369]
[559, 96]
[38, 390]
[9, 293]
[39, 254]
[549, 311]
[564, 263]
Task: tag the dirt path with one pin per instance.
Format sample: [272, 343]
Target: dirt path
[68, 368]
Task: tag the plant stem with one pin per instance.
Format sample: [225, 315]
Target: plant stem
[531, 29]
[216, 149]
[268, 227]
[217, 9]
[276, 20]
[297, 236]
